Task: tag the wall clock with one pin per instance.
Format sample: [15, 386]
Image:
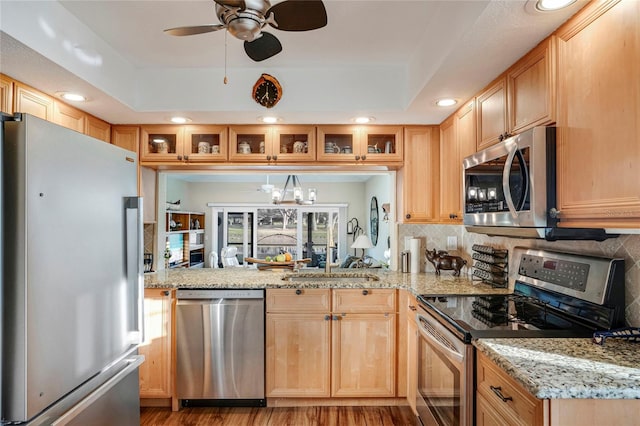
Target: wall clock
[373, 217]
[267, 91]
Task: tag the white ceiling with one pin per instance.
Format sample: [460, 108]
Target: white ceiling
[388, 59]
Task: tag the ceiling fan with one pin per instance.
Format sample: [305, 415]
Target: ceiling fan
[245, 19]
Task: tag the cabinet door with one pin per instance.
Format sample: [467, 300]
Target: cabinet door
[294, 143]
[161, 143]
[250, 143]
[6, 94]
[381, 144]
[156, 374]
[68, 117]
[339, 143]
[598, 110]
[205, 143]
[531, 88]
[363, 360]
[127, 137]
[298, 355]
[412, 360]
[491, 106]
[420, 175]
[32, 102]
[486, 415]
[97, 128]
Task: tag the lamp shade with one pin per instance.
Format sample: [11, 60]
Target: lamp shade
[362, 242]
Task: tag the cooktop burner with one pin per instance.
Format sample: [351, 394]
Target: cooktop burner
[538, 308]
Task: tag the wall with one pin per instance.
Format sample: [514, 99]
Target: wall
[380, 187]
[625, 246]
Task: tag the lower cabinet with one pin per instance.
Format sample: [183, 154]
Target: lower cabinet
[331, 343]
[500, 400]
[412, 354]
[156, 372]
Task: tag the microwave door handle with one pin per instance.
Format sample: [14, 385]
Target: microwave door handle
[505, 180]
[525, 178]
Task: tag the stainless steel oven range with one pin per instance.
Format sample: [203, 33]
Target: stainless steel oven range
[555, 295]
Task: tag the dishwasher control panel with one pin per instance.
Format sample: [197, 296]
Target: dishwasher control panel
[219, 294]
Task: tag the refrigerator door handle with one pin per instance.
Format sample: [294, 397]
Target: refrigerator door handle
[133, 363]
[134, 249]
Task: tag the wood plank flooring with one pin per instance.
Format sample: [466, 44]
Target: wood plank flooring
[278, 416]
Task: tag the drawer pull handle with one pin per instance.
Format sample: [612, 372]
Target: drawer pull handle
[413, 308]
[166, 293]
[298, 292]
[498, 391]
[365, 292]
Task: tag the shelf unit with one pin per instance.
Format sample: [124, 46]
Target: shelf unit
[185, 239]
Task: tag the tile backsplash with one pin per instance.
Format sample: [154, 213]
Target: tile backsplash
[626, 247]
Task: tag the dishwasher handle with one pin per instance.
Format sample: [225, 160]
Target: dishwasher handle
[207, 294]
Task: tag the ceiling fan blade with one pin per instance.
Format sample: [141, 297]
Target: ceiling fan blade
[199, 29]
[263, 47]
[232, 3]
[299, 15]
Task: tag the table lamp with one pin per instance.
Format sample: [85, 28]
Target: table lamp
[362, 242]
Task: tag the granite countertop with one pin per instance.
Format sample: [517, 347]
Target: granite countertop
[569, 368]
[422, 283]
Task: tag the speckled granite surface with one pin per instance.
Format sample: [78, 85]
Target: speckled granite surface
[251, 278]
[569, 368]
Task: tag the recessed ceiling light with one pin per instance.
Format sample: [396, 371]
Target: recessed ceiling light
[550, 5]
[74, 97]
[180, 120]
[363, 120]
[269, 119]
[445, 102]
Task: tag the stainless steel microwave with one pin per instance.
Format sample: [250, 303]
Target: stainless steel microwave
[510, 189]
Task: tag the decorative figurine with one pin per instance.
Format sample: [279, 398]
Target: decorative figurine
[441, 260]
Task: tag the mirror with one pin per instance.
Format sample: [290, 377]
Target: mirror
[374, 221]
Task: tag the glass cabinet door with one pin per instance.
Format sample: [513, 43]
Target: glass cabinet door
[294, 143]
[250, 143]
[161, 143]
[205, 143]
[381, 143]
[338, 143]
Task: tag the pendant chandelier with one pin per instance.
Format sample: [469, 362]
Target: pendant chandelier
[292, 186]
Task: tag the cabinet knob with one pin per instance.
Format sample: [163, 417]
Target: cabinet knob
[408, 216]
[498, 391]
[554, 213]
[186, 157]
[275, 157]
[365, 292]
[327, 317]
[268, 157]
[166, 292]
[179, 157]
[453, 215]
[413, 308]
[364, 157]
[335, 318]
[298, 292]
[357, 157]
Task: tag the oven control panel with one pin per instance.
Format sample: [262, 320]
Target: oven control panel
[565, 273]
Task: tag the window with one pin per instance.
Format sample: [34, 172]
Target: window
[263, 231]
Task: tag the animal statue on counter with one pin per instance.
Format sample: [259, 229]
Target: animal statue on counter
[442, 260]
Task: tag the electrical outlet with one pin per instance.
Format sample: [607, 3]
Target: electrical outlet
[452, 243]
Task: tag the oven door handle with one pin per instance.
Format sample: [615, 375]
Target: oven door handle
[436, 335]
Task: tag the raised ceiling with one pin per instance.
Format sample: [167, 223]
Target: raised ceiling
[388, 59]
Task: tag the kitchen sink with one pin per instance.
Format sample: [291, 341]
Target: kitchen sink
[331, 276]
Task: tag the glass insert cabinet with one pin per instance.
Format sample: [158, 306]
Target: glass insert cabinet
[191, 143]
[272, 143]
[270, 230]
[360, 143]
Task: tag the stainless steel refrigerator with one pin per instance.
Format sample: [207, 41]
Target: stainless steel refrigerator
[72, 285]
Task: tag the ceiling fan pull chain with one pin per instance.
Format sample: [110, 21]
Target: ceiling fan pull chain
[226, 80]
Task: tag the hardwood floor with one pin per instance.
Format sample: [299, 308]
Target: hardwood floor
[279, 416]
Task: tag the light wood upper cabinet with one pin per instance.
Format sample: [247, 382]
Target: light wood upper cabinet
[491, 110]
[272, 144]
[68, 116]
[598, 117]
[457, 141]
[156, 372]
[28, 100]
[531, 88]
[419, 179]
[97, 128]
[362, 144]
[6, 94]
[127, 137]
[193, 144]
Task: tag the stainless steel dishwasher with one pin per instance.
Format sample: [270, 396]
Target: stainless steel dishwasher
[220, 347]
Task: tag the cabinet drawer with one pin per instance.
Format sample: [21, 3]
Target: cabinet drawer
[517, 405]
[364, 300]
[298, 300]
